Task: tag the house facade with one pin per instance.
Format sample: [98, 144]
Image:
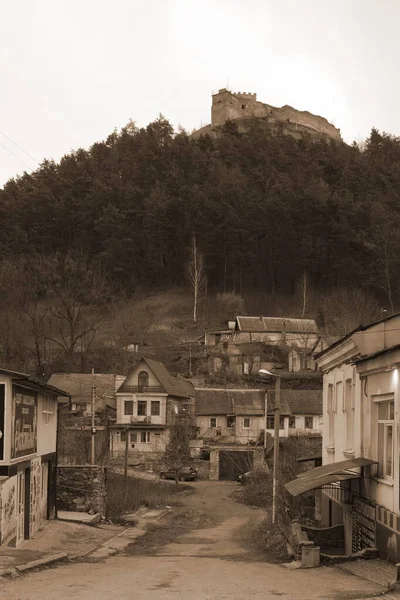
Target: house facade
[147, 402]
[253, 343]
[361, 427]
[83, 387]
[28, 441]
[240, 416]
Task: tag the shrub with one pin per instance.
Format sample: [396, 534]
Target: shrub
[127, 496]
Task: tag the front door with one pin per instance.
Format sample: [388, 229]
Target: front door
[20, 506]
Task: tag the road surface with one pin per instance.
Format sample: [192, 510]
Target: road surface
[197, 553]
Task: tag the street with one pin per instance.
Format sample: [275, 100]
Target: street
[198, 553]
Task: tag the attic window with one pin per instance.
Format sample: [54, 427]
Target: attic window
[143, 380]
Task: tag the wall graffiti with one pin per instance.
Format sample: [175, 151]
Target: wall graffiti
[8, 517]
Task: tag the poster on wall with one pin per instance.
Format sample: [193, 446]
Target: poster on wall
[24, 423]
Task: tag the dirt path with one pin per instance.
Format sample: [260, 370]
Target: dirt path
[198, 554]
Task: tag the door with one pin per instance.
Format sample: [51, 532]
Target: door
[232, 463]
[44, 491]
[20, 506]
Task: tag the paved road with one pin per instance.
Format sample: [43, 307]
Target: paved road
[208, 562]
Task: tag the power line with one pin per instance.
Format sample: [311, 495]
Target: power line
[15, 156]
[15, 144]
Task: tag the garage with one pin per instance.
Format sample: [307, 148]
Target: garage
[233, 462]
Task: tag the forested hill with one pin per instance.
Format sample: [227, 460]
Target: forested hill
[264, 208]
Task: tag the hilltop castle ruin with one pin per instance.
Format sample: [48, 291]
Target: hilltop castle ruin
[240, 106]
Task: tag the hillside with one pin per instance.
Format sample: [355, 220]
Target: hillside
[116, 221]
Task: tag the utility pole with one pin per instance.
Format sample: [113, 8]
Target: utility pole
[277, 410]
[266, 418]
[126, 455]
[93, 440]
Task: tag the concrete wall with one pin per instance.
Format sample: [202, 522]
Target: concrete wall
[8, 512]
[80, 488]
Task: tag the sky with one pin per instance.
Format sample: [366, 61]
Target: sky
[71, 71]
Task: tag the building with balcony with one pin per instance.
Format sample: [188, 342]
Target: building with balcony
[147, 402]
[358, 481]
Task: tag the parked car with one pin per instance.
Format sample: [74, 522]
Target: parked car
[244, 477]
[185, 474]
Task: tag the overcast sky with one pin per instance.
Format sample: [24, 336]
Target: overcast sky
[73, 70]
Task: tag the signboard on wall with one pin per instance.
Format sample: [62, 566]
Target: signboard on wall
[24, 422]
[2, 419]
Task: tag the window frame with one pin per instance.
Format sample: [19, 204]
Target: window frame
[292, 422]
[140, 405]
[128, 414]
[147, 437]
[153, 403]
[305, 422]
[386, 423]
[244, 422]
[210, 425]
[270, 419]
[230, 419]
[141, 375]
[47, 413]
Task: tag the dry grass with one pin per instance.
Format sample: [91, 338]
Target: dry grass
[127, 496]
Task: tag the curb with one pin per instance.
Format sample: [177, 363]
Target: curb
[34, 564]
[94, 547]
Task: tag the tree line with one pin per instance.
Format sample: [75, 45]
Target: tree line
[261, 209]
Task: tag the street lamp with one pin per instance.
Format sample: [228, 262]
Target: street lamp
[277, 406]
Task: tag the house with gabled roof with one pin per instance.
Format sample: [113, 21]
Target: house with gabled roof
[147, 402]
[239, 416]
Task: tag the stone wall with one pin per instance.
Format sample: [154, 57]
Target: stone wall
[81, 488]
[203, 468]
[326, 537]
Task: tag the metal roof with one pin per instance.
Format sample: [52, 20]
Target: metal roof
[332, 473]
[276, 324]
[33, 382]
[79, 385]
[174, 386]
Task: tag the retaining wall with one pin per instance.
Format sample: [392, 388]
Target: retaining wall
[81, 488]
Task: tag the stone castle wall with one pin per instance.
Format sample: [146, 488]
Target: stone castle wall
[232, 106]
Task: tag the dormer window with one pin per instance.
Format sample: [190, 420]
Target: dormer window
[143, 380]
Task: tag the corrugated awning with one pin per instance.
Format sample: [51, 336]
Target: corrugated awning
[332, 473]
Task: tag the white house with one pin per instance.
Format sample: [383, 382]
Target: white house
[147, 401]
[359, 476]
[28, 440]
[232, 415]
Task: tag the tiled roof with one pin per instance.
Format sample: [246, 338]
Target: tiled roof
[276, 324]
[174, 386]
[304, 402]
[214, 401]
[79, 385]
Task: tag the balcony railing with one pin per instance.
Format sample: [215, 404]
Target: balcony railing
[143, 419]
[142, 389]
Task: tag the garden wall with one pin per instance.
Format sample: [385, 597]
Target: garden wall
[81, 488]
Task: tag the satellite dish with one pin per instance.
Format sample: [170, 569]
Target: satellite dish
[176, 409]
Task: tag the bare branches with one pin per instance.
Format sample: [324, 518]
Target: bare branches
[196, 274]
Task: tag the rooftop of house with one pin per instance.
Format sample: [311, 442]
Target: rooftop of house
[216, 401]
[276, 324]
[174, 386]
[33, 382]
[79, 385]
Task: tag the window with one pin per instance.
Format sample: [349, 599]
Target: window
[133, 437]
[155, 408]
[349, 410]
[270, 422]
[230, 421]
[339, 396]
[142, 408]
[213, 422]
[292, 422]
[48, 409]
[122, 436]
[385, 438]
[331, 415]
[128, 407]
[145, 437]
[308, 422]
[281, 422]
[143, 380]
[246, 422]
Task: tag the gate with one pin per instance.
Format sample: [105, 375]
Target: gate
[364, 524]
[234, 462]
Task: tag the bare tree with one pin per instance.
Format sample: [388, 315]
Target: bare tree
[196, 274]
[304, 293]
[344, 309]
[177, 453]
